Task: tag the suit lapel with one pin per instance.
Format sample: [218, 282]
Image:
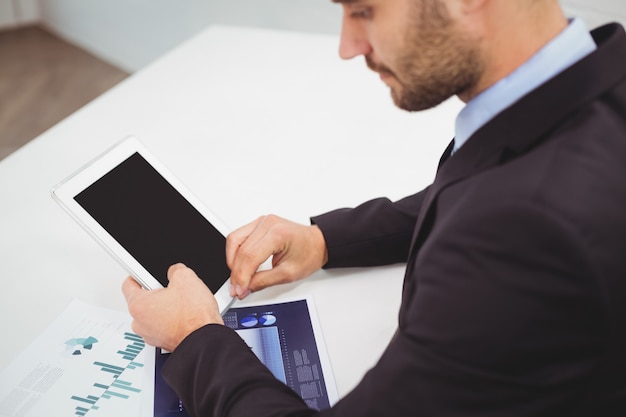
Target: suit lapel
[526, 123]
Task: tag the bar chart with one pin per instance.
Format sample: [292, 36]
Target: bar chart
[88, 362]
[113, 384]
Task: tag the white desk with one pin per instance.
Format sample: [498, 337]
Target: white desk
[254, 122]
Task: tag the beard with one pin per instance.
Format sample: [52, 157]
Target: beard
[437, 62]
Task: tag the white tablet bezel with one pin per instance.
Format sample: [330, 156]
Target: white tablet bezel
[65, 191]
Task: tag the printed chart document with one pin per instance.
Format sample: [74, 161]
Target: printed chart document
[87, 363]
[285, 336]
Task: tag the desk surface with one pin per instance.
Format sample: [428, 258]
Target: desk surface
[253, 122]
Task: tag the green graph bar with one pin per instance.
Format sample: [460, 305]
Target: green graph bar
[112, 371]
[133, 337]
[106, 365]
[126, 387]
[117, 394]
[85, 400]
[119, 381]
[133, 349]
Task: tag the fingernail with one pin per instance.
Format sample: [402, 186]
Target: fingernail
[241, 294]
[232, 290]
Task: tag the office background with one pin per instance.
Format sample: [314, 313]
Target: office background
[132, 33]
[91, 45]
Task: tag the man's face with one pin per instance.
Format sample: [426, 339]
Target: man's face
[416, 47]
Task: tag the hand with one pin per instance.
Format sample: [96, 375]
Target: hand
[297, 250]
[165, 316]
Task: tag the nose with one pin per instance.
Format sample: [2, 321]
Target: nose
[354, 41]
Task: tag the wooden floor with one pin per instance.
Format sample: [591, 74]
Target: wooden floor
[43, 79]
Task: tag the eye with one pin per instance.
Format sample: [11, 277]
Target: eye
[361, 12]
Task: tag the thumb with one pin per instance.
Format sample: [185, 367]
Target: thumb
[172, 269]
[130, 288]
[266, 278]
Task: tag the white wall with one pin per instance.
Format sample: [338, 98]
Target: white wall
[18, 12]
[132, 33]
[597, 12]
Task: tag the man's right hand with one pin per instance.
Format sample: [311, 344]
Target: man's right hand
[298, 251]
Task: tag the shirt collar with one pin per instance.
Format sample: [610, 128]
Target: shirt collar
[567, 48]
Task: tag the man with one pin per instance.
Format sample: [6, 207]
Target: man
[513, 300]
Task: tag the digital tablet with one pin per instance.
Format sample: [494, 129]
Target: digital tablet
[146, 219]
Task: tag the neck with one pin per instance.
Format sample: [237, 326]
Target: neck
[510, 34]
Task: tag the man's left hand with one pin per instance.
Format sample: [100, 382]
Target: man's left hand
[165, 316]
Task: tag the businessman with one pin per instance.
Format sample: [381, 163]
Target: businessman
[513, 301]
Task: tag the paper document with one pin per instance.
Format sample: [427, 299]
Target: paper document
[87, 363]
[285, 336]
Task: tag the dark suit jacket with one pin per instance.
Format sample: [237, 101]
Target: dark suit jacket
[514, 299]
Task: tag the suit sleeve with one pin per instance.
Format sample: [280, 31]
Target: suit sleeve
[503, 318]
[378, 232]
[215, 373]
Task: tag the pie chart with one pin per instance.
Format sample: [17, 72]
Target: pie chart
[249, 321]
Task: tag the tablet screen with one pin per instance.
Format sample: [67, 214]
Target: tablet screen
[147, 216]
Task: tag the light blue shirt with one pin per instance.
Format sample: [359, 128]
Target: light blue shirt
[569, 47]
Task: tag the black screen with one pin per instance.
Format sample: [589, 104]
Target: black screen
[154, 223]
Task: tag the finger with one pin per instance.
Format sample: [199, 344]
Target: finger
[250, 256]
[182, 275]
[173, 268]
[130, 288]
[277, 275]
[235, 239]
[246, 250]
